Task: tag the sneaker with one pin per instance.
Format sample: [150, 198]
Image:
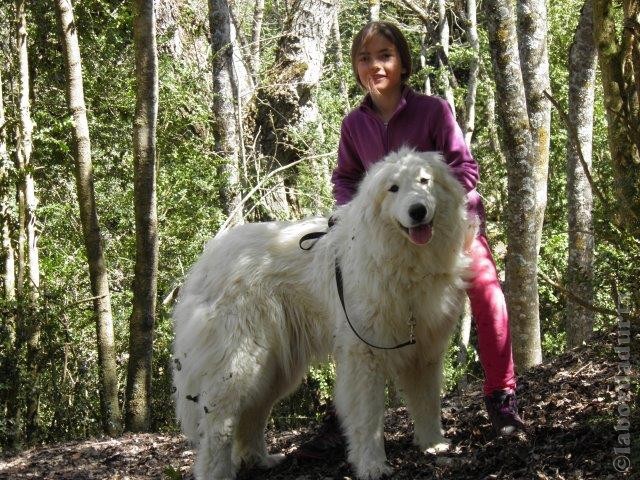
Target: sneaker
[325, 442]
[503, 412]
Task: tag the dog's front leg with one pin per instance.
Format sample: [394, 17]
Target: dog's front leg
[420, 386]
[360, 403]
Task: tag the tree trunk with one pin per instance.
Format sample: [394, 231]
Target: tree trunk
[619, 61]
[256, 33]
[463, 344]
[582, 73]
[141, 326]
[344, 90]
[108, 375]
[225, 101]
[424, 52]
[521, 286]
[374, 10]
[9, 368]
[443, 55]
[28, 215]
[15, 406]
[474, 72]
[286, 109]
[494, 138]
[421, 11]
[5, 168]
[534, 62]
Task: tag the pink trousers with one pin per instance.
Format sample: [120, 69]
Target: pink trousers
[489, 310]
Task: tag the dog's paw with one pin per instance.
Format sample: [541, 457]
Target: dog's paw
[438, 447]
[374, 471]
[271, 461]
[434, 444]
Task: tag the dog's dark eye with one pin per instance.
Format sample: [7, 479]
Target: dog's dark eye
[424, 181]
[393, 188]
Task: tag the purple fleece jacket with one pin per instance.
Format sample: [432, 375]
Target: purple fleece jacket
[422, 122]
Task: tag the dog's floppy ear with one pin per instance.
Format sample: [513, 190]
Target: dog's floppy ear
[371, 191]
[444, 177]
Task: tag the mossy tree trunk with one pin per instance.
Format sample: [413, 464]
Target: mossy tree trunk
[582, 73]
[226, 122]
[521, 286]
[617, 36]
[619, 59]
[110, 409]
[469, 121]
[285, 114]
[142, 320]
[534, 63]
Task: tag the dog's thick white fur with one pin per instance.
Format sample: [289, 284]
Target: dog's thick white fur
[256, 309]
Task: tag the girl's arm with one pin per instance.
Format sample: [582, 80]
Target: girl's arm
[450, 141]
[349, 171]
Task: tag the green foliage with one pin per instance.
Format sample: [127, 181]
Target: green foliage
[189, 209]
[309, 401]
[170, 473]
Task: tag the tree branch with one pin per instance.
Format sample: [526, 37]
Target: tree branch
[581, 301]
[259, 185]
[85, 300]
[422, 14]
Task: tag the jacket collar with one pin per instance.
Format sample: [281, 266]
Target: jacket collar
[368, 107]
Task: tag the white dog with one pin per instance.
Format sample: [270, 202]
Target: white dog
[256, 309]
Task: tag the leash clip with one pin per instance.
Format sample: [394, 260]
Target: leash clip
[412, 324]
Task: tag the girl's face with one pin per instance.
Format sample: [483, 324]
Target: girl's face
[379, 67]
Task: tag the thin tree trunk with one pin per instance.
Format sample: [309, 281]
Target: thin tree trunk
[5, 167]
[107, 369]
[374, 10]
[463, 344]
[474, 72]
[521, 286]
[443, 54]
[225, 101]
[21, 269]
[534, 63]
[344, 91]
[582, 73]
[25, 148]
[15, 417]
[29, 202]
[8, 402]
[494, 137]
[424, 64]
[141, 326]
[256, 33]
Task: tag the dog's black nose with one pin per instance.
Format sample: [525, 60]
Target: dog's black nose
[417, 212]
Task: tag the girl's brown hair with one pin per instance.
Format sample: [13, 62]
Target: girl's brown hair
[389, 31]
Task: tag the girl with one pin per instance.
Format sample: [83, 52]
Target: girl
[390, 116]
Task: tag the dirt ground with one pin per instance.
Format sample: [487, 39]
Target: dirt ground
[570, 407]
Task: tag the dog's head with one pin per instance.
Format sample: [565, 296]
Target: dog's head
[412, 191]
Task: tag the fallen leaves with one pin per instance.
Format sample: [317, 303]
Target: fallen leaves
[569, 406]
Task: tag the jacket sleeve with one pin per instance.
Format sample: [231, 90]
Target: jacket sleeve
[450, 141]
[349, 171]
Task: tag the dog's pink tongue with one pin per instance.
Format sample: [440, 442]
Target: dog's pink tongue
[421, 234]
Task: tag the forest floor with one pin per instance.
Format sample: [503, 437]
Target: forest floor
[570, 406]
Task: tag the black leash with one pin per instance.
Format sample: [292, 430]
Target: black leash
[310, 236]
[317, 235]
[411, 340]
